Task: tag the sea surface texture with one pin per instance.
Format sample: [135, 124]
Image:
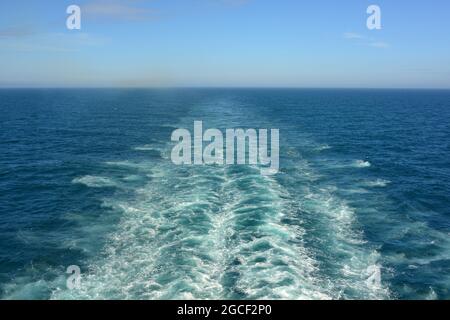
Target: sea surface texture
[360, 208]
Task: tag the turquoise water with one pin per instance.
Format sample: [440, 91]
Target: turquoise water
[362, 193]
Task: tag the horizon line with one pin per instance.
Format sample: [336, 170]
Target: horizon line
[223, 87]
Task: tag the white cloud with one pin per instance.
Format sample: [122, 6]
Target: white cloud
[54, 42]
[352, 35]
[365, 40]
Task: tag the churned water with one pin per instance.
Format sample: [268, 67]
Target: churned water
[360, 208]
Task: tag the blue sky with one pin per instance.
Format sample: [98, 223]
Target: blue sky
[268, 43]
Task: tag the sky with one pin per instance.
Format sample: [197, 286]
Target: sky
[225, 43]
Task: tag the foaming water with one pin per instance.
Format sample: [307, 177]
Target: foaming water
[95, 181]
[145, 147]
[327, 226]
[378, 183]
[220, 235]
[228, 232]
[362, 164]
[348, 264]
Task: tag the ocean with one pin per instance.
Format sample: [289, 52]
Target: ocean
[360, 207]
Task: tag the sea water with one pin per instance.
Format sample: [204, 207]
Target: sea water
[359, 208]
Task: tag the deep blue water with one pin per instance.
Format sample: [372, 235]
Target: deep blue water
[363, 191]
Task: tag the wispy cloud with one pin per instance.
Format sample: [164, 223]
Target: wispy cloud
[54, 42]
[353, 36]
[118, 10]
[27, 47]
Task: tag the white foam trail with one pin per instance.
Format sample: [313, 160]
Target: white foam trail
[180, 245]
[323, 147]
[377, 183]
[95, 181]
[155, 253]
[340, 239]
[362, 164]
[211, 232]
[273, 262]
[145, 148]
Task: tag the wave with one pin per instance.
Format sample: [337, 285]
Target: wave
[335, 236]
[377, 183]
[95, 181]
[322, 147]
[230, 233]
[222, 236]
[227, 232]
[145, 148]
[362, 164]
